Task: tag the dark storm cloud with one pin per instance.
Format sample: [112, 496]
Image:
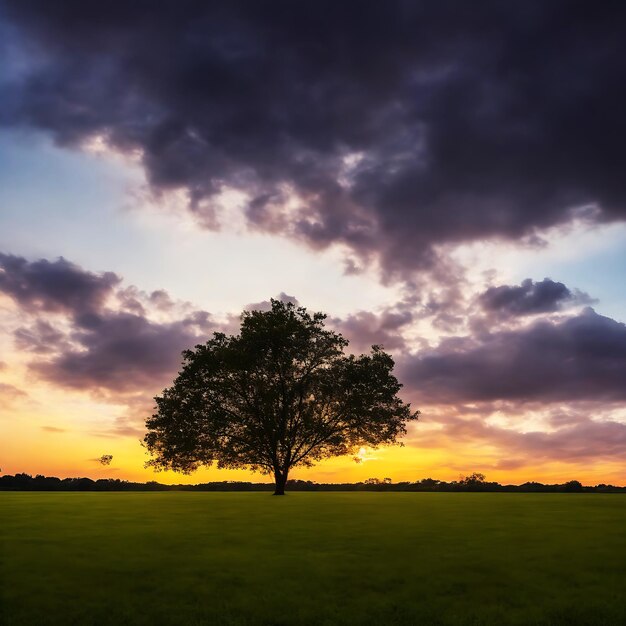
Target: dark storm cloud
[53, 285]
[530, 298]
[579, 358]
[399, 125]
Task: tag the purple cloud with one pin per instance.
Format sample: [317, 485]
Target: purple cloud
[41, 337]
[116, 351]
[530, 298]
[53, 286]
[584, 439]
[364, 329]
[119, 352]
[578, 358]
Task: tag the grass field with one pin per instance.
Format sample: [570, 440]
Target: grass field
[312, 558]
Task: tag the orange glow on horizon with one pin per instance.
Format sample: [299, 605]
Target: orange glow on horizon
[28, 447]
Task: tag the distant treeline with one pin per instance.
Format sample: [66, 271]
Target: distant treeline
[474, 482]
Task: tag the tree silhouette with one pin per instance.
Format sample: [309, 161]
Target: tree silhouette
[475, 478]
[280, 394]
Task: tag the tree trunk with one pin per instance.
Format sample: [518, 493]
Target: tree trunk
[281, 481]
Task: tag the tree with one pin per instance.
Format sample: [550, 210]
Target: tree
[280, 394]
[476, 478]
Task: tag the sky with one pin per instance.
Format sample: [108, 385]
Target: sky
[443, 179]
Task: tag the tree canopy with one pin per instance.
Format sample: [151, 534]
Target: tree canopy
[280, 394]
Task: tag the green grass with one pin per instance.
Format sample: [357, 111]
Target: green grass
[312, 558]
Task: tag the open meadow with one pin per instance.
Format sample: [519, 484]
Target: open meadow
[312, 558]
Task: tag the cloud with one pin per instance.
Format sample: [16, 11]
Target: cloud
[364, 329]
[390, 128]
[571, 366]
[577, 358]
[119, 352]
[530, 298]
[135, 301]
[510, 464]
[53, 429]
[53, 286]
[161, 300]
[9, 394]
[584, 439]
[95, 347]
[41, 338]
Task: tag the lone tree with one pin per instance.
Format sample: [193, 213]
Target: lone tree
[280, 394]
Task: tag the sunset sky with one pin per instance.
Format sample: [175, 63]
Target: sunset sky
[446, 179]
